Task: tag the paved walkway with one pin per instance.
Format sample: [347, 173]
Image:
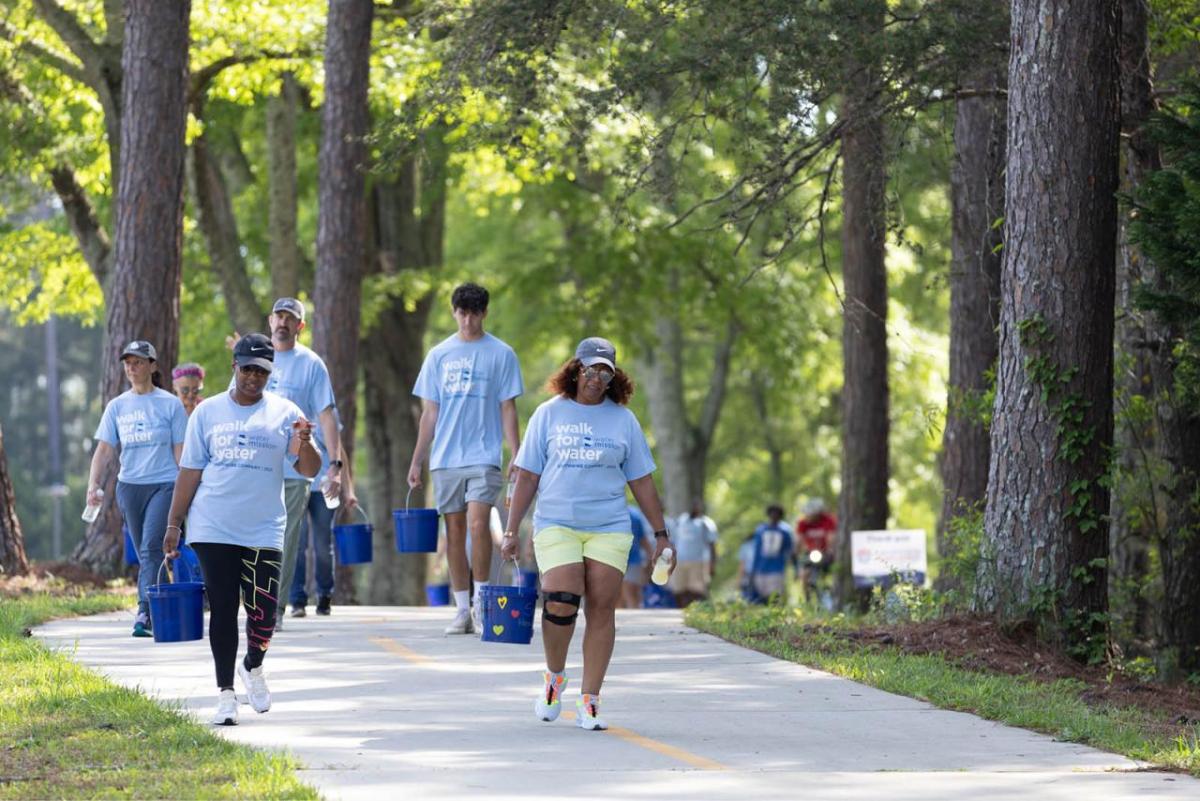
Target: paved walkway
[375, 702]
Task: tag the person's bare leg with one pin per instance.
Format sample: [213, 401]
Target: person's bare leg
[478, 519]
[456, 550]
[556, 638]
[602, 588]
[631, 595]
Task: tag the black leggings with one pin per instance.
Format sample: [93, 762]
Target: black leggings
[233, 573]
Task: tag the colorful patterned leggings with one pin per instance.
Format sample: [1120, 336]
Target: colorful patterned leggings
[233, 573]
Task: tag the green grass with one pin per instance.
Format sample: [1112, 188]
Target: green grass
[66, 732]
[1053, 708]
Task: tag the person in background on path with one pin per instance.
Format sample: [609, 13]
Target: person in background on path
[148, 424]
[316, 524]
[773, 546]
[581, 449]
[468, 386]
[187, 380]
[696, 534]
[300, 375]
[638, 571]
[231, 491]
[816, 530]
[745, 557]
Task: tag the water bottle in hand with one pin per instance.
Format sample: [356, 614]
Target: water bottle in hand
[92, 510]
[662, 568]
[332, 499]
[508, 493]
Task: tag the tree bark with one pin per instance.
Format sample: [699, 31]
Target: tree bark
[341, 242]
[143, 297]
[863, 503]
[13, 561]
[89, 234]
[977, 202]
[1134, 505]
[281, 199]
[1044, 542]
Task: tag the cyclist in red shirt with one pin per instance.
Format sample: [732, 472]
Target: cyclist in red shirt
[816, 530]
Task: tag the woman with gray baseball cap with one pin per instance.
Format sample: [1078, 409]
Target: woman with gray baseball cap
[581, 449]
[147, 424]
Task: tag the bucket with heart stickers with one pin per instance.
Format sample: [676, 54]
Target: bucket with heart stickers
[508, 611]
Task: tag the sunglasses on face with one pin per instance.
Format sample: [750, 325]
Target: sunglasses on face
[190, 390]
[605, 376]
[251, 369]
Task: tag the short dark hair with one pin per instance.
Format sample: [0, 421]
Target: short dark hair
[470, 298]
[776, 508]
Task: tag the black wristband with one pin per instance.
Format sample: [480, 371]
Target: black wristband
[336, 463]
[662, 533]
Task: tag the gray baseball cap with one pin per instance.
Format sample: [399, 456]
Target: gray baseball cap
[290, 305]
[597, 350]
[140, 347]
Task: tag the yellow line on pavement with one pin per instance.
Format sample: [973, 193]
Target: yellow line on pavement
[696, 761]
[388, 644]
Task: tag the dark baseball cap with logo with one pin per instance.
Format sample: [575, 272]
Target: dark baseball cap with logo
[597, 350]
[255, 350]
[290, 305]
[140, 347]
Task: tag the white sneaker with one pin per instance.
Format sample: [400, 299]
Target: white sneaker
[587, 713]
[477, 617]
[548, 705]
[256, 687]
[226, 714]
[461, 623]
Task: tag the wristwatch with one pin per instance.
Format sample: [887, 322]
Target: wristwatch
[336, 463]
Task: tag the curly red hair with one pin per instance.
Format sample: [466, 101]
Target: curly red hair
[565, 382]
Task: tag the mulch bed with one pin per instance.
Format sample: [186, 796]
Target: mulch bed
[59, 578]
[981, 644]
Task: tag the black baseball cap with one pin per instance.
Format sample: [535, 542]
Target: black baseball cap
[255, 350]
[140, 347]
[597, 350]
[290, 305]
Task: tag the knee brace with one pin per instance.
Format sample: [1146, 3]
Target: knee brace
[569, 598]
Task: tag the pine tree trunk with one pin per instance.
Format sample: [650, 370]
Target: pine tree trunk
[143, 294]
[1045, 541]
[662, 378]
[977, 202]
[341, 230]
[13, 561]
[281, 198]
[863, 504]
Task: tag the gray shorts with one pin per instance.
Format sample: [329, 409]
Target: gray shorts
[455, 487]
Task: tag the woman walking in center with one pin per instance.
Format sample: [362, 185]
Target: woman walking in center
[581, 449]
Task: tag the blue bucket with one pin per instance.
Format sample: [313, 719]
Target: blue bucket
[437, 594]
[131, 551]
[353, 541]
[508, 612]
[656, 597]
[187, 567]
[416, 529]
[529, 578]
[176, 609]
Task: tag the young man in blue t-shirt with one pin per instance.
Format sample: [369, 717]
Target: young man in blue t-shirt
[773, 544]
[468, 386]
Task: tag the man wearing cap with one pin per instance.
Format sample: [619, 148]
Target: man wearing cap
[468, 387]
[231, 490]
[300, 375]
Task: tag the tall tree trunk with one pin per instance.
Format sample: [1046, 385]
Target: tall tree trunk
[281, 198]
[214, 210]
[410, 214]
[341, 233]
[977, 202]
[863, 504]
[1045, 541]
[143, 297]
[13, 561]
[1134, 505]
[760, 389]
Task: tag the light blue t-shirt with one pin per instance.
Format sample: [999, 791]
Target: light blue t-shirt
[146, 428]
[585, 456]
[772, 548]
[242, 451]
[693, 536]
[468, 381]
[300, 376]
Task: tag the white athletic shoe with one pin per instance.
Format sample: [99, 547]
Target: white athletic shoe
[461, 623]
[226, 714]
[477, 617]
[548, 705]
[256, 687]
[587, 713]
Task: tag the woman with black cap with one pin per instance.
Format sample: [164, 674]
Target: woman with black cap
[147, 423]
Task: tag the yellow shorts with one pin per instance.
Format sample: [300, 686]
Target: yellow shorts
[555, 546]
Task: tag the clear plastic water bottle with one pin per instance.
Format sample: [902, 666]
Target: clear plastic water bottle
[92, 510]
[508, 493]
[332, 499]
[662, 567]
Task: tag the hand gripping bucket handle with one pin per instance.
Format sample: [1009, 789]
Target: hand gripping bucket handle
[508, 611]
[176, 608]
[416, 529]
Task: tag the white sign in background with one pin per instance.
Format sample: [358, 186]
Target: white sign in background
[876, 555]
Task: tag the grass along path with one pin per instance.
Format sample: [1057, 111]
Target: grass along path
[66, 732]
[1054, 708]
